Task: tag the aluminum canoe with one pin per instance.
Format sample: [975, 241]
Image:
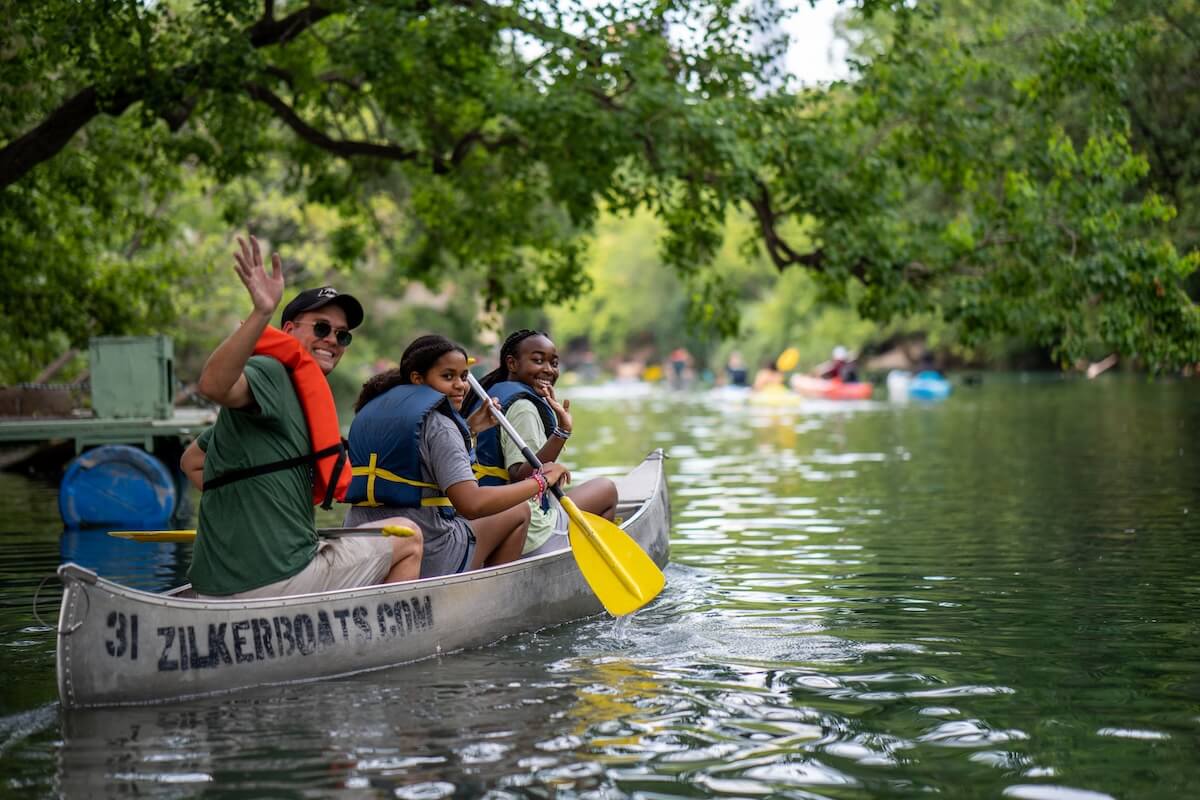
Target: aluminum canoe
[121, 646]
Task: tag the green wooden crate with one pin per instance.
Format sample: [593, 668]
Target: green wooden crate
[132, 376]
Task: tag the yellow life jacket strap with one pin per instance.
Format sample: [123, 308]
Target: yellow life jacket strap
[372, 471]
[490, 472]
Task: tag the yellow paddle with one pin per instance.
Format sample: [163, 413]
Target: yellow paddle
[329, 533]
[623, 577]
[788, 360]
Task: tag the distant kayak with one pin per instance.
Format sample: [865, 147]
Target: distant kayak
[830, 389]
[926, 385]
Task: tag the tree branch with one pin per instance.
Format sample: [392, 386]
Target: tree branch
[340, 147]
[46, 140]
[781, 253]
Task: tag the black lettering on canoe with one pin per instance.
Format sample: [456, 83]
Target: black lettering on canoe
[360, 621]
[385, 608]
[262, 639]
[133, 637]
[183, 651]
[283, 630]
[238, 632]
[325, 630]
[403, 606]
[306, 640]
[340, 615]
[116, 621]
[165, 662]
[423, 616]
[217, 651]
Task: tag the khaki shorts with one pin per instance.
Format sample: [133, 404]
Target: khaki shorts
[344, 563]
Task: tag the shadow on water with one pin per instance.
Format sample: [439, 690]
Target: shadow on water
[994, 596]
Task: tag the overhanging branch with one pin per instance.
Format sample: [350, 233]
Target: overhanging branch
[51, 135]
[781, 253]
[345, 148]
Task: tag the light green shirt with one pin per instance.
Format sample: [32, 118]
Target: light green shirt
[524, 417]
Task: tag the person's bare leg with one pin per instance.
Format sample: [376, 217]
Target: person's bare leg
[406, 550]
[597, 496]
[500, 538]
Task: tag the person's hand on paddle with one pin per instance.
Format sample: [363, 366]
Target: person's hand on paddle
[555, 474]
[266, 291]
[483, 417]
[561, 410]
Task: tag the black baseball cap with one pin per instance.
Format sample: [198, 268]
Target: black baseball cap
[312, 299]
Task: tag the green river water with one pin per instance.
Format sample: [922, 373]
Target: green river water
[994, 596]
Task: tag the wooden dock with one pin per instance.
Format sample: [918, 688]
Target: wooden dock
[88, 431]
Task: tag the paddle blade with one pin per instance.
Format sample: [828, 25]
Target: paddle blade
[617, 570]
[788, 360]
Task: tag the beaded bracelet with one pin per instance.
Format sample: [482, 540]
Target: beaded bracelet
[541, 482]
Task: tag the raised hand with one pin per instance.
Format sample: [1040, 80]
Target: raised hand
[265, 290]
[561, 410]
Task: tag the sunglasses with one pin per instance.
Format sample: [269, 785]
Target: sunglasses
[322, 329]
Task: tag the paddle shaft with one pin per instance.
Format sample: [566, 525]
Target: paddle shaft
[325, 533]
[566, 502]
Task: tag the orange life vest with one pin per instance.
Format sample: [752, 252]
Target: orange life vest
[331, 475]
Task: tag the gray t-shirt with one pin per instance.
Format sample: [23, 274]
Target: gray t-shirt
[444, 462]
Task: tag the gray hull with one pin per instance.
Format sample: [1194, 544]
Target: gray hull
[121, 646]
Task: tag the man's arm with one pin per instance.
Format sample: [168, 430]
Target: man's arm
[192, 464]
[222, 379]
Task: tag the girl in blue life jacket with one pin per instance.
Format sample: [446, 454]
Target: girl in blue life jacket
[523, 385]
[410, 452]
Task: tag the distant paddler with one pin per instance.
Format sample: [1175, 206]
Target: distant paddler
[840, 366]
[770, 376]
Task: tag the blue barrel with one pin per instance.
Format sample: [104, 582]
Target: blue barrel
[116, 485]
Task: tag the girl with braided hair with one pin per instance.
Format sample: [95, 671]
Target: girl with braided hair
[523, 385]
[410, 449]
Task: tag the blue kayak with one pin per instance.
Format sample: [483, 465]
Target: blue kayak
[925, 385]
[929, 385]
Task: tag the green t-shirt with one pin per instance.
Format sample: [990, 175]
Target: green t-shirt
[258, 530]
[525, 419]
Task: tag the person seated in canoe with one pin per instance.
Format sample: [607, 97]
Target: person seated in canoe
[839, 367]
[411, 454]
[768, 378]
[276, 449]
[523, 385]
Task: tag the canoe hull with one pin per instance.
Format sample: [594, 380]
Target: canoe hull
[121, 646]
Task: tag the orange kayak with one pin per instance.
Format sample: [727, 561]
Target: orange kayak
[830, 389]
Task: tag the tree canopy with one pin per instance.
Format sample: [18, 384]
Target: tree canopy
[1007, 167]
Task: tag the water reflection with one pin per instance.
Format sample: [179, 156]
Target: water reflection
[995, 596]
[151, 566]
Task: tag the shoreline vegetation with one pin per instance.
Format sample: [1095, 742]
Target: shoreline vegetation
[1012, 188]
